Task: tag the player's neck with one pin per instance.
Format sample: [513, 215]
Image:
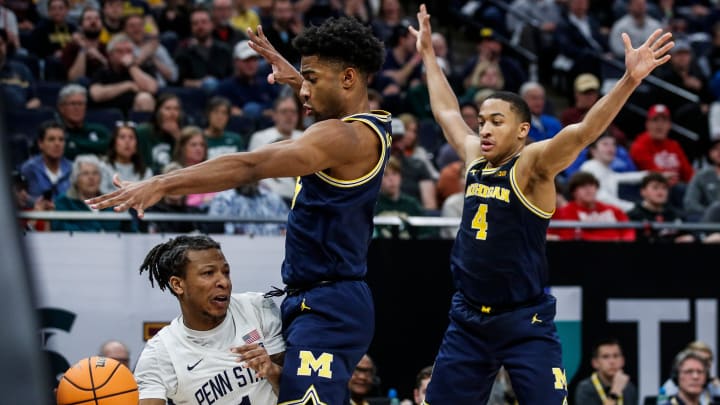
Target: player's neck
[357, 103]
[201, 322]
[502, 160]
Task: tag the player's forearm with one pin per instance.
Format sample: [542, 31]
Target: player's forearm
[218, 174]
[604, 111]
[442, 97]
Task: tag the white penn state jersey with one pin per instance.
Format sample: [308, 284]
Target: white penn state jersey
[197, 367]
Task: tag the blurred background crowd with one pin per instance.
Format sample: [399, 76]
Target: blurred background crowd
[93, 88]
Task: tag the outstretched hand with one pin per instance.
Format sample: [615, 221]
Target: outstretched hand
[640, 61]
[138, 195]
[423, 35]
[282, 71]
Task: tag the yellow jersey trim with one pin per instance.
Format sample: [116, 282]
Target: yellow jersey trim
[375, 170]
[473, 163]
[382, 115]
[535, 210]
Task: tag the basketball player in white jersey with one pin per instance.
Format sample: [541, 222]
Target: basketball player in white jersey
[190, 361]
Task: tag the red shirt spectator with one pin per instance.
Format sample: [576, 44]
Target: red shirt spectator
[654, 151]
[585, 208]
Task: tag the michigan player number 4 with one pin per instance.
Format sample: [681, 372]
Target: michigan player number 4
[479, 222]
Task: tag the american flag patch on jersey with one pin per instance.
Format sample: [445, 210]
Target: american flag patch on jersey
[251, 337]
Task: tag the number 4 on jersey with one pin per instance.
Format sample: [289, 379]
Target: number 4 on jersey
[479, 222]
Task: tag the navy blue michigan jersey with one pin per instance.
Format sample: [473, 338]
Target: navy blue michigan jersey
[499, 253]
[331, 221]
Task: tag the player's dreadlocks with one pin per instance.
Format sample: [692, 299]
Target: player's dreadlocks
[170, 258]
[344, 40]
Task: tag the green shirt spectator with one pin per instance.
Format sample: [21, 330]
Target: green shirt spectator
[81, 137]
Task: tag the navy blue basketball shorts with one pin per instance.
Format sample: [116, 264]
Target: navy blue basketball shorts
[327, 330]
[523, 340]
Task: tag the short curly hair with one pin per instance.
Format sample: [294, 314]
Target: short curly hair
[344, 40]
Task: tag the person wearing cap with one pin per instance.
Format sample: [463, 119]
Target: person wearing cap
[587, 93]
[586, 89]
[248, 91]
[652, 150]
[490, 50]
[202, 61]
[637, 23]
[704, 187]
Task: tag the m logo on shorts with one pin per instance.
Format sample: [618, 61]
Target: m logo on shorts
[310, 364]
[560, 379]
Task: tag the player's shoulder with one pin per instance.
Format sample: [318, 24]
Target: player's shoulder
[252, 299]
[327, 129]
[156, 349]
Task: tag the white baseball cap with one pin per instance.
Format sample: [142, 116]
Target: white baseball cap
[243, 51]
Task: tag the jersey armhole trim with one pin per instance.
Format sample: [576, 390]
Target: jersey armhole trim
[530, 206]
[375, 170]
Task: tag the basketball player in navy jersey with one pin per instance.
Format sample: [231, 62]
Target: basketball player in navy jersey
[328, 313]
[500, 315]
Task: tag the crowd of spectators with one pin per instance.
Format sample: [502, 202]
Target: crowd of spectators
[146, 84]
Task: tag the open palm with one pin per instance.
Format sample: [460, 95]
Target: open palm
[640, 61]
[424, 31]
[282, 71]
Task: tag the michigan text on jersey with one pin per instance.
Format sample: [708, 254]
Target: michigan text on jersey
[483, 191]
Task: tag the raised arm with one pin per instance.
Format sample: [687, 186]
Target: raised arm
[326, 144]
[444, 103]
[282, 71]
[550, 157]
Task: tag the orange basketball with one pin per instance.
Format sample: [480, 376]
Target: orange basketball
[97, 381]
